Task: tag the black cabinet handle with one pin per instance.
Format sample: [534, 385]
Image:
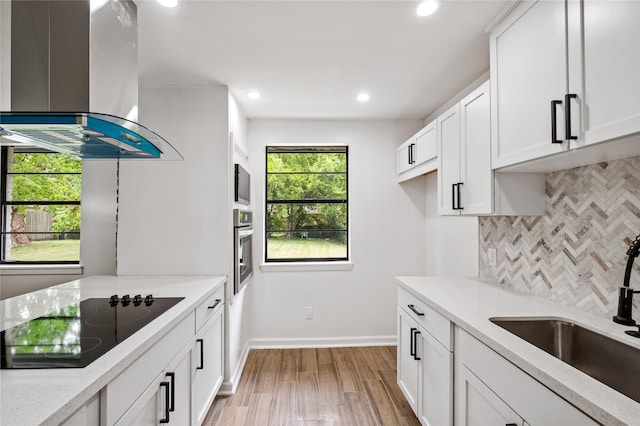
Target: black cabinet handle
[415, 311]
[415, 345]
[458, 185]
[453, 196]
[201, 367]
[412, 348]
[511, 424]
[411, 153]
[567, 115]
[215, 304]
[554, 122]
[165, 385]
[172, 376]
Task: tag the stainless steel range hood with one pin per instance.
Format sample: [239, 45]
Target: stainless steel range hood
[68, 57]
[84, 135]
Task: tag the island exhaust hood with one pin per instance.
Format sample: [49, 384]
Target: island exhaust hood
[84, 135]
[68, 57]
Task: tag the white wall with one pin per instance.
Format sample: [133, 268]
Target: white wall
[387, 229]
[238, 314]
[452, 241]
[174, 216]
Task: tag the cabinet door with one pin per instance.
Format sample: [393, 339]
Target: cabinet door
[404, 159]
[476, 404]
[605, 68]
[167, 400]
[435, 382]
[208, 365]
[528, 71]
[449, 161]
[426, 144]
[407, 364]
[475, 153]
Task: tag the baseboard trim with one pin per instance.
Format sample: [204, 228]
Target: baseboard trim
[230, 387]
[323, 342]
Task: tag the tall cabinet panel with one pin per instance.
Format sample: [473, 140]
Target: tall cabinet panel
[528, 72]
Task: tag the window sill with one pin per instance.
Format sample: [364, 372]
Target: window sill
[305, 266]
[41, 269]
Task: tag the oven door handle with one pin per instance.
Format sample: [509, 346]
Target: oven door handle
[242, 233]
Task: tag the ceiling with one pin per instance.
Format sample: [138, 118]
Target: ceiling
[309, 59]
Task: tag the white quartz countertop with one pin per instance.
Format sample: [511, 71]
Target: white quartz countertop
[469, 303]
[49, 396]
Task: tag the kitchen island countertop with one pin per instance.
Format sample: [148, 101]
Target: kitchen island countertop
[49, 396]
[469, 303]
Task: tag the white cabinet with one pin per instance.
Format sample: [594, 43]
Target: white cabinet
[565, 75]
[208, 362]
[425, 360]
[491, 390]
[417, 155]
[467, 185]
[604, 68]
[176, 380]
[167, 400]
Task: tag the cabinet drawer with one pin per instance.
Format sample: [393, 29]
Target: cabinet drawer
[437, 325]
[122, 392]
[206, 309]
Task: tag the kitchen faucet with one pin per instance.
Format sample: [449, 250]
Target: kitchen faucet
[625, 300]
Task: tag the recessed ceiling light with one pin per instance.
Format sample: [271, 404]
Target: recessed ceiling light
[427, 7]
[168, 3]
[253, 95]
[363, 97]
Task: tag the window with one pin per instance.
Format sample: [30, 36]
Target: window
[40, 207]
[306, 208]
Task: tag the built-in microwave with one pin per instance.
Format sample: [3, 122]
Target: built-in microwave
[242, 185]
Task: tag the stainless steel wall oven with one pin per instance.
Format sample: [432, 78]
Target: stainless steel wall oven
[242, 255]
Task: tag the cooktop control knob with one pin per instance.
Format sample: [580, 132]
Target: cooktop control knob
[149, 300]
[113, 300]
[126, 300]
[137, 300]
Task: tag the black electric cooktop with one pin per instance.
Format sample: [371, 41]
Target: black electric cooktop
[77, 335]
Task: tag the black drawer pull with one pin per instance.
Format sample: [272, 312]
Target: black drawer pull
[413, 308]
[215, 304]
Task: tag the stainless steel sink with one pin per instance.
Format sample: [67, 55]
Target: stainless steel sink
[611, 362]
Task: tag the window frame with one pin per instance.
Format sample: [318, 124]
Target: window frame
[308, 149]
[4, 202]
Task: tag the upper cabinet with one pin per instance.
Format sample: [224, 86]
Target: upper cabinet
[565, 75]
[466, 183]
[417, 156]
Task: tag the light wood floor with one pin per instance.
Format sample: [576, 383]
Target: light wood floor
[304, 387]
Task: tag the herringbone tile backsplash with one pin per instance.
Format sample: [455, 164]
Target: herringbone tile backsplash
[576, 253]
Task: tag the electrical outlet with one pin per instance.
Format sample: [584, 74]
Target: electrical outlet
[308, 312]
[491, 257]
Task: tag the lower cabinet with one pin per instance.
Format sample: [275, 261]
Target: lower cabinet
[175, 381]
[207, 366]
[167, 400]
[489, 390]
[425, 365]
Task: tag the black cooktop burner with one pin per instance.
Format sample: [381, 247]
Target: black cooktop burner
[77, 335]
